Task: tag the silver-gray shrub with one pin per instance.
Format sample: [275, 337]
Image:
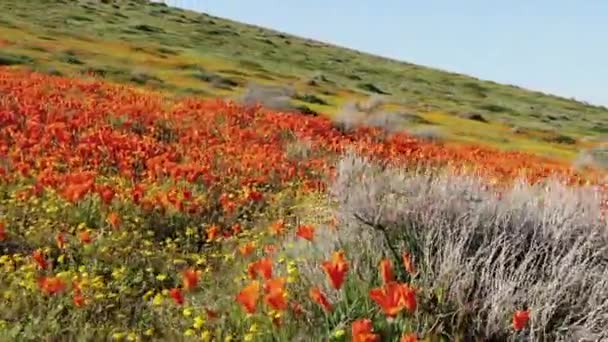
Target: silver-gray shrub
[542, 247]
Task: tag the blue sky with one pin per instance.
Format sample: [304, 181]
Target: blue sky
[556, 46]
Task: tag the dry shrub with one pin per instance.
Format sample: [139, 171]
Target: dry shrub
[542, 247]
[596, 157]
[370, 113]
[271, 97]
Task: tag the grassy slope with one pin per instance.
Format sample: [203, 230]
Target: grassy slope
[185, 52]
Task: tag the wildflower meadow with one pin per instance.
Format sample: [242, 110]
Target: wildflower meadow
[132, 216]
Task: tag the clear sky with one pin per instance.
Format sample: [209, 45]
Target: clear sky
[556, 46]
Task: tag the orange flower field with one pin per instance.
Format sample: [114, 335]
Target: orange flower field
[128, 214]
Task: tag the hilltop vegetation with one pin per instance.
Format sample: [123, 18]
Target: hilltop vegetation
[185, 52]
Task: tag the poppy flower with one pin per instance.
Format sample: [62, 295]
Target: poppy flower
[261, 267]
[411, 337]
[276, 297]
[270, 249]
[85, 237]
[212, 232]
[394, 297]
[247, 248]
[362, 330]
[40, 260]
[408, 263]
[190, 279]
[277, 228]
[137, 193]
[520, 319]
[2, 231]
[78, 299]
[256, 196]
[248, 297]
[236, 229]
[336, 269]
[319, 297]
[177, 295]
[107, 194]
[60, 240]
[114, 220]
[386, 271]
[51, 285]
[306, 232]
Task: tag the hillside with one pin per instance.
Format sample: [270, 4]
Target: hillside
[184, 52]
[126, 215]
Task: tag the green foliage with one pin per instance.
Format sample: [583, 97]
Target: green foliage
[12, 59]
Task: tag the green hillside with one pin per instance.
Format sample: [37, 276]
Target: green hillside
[184, 52]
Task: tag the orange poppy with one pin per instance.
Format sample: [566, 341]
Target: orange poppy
[394, 297]
[212, 232]
[408, 263]
[276, 297]
[177, 295]
[85, 237]
[277, 228]
[363, 331]
[106, 194]
[247, 248]
[336, 269]
[386, 271]
[319, 297]
[190, 279]
[60, 240]
[306, 232]
[40, 260]
[255, 196]
[114, 220]
[520, 319]
[78, 299]
[51, 285]
[411, 337]
[270, 249]
[248, 297]
[261, 267]
[236, 229]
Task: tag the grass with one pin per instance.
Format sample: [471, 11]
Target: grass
[163, 38]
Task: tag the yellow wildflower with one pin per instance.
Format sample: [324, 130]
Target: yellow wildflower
[148, 294]
[119, 336]
[199, 321]
[339, 333]
[158, 299]
[206, 336]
